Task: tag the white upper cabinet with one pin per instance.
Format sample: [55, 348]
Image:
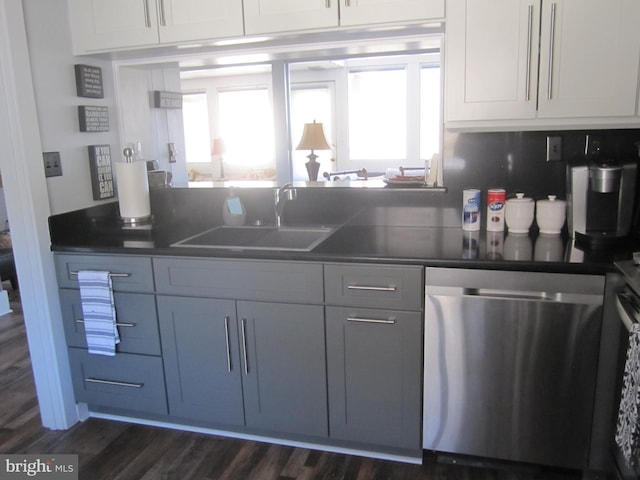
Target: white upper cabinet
[365, 12]
[100, 25]
[589, 54]
[491, 59]
[110, 24]
[184, 20]
[267, 16]
[541, 59]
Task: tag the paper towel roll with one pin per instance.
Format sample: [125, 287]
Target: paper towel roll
[133, 190]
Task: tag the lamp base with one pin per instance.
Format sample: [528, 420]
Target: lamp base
[312, 167]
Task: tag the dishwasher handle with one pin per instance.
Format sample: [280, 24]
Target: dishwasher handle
[517, 295]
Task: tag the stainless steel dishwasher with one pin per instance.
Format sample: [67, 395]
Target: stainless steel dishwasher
[510, 364]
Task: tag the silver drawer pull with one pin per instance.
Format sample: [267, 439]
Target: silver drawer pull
[228, 342]
[114, 382]
[111, 274]
[389, 321]
[390, 288]
[118, 324]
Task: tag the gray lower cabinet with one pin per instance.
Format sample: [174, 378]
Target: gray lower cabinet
[284, 367]
[374, 375]
[201, 359]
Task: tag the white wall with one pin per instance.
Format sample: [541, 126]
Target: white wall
[52, 64]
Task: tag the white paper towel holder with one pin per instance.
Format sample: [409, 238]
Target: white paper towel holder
[140, 221]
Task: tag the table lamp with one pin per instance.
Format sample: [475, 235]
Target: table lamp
[313, 139]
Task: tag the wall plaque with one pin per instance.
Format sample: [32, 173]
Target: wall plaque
[89, 81]
[101, 172]
[167, 99]
[93, 119]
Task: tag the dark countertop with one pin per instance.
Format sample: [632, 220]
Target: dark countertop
[97, 230]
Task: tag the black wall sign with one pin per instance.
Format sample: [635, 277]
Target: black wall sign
[101, 172]
[89, 81]
[93, 119]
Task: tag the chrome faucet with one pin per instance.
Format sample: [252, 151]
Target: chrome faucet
[283, 194]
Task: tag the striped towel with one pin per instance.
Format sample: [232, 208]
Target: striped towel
[98, 312]
[628, 425]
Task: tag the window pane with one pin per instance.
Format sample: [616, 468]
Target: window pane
[195, 115]
[246, 125]
[377, 114]
[309, 104]
[429, 111]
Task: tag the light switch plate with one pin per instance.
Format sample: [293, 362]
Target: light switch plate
[554, 149]
[52, 164]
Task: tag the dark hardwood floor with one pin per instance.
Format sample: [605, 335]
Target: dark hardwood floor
[113, 450]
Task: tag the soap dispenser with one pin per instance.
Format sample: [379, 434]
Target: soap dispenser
[233, 211]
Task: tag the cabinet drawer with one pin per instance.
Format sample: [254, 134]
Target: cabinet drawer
[125, 381]
[294, 282]
[376, 286]
[131, 273]
[135, 316]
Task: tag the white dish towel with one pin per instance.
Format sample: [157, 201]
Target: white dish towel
[628, 425]
[98, 311]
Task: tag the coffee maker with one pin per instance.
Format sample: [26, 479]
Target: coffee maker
[600, 199]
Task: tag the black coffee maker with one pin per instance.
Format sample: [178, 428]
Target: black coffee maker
[600, 199]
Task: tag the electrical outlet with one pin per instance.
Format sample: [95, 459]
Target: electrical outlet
[554, 149]
[52, 164]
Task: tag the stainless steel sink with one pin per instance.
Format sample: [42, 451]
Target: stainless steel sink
[302, 239]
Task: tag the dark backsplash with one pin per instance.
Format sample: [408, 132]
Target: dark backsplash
[515, 161]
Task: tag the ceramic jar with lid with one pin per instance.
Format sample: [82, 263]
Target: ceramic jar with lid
[518, 213]
[550, 215]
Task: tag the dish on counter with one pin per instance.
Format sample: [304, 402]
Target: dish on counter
[405, 180]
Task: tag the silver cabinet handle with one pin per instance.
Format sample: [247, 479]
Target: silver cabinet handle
[244, 346]
[111, 274]
[114, 382]
[552, 41]
[147, 18]
[347, 3]
[226, 336]
[529, 33]
[327, 3]
[163, 17]
[389, 321]
[390, 288]
[118, 324]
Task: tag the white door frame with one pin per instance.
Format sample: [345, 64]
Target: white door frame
[28, 211]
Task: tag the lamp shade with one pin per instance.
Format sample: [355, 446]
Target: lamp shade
[218, 146]
[313, 138]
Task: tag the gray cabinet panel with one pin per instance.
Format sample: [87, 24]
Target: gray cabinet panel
[128, 382]
[201, 358]
[240, 279]
[374, 362]
[137, 275]
[136, 317]
[378, 286]
[285, 380]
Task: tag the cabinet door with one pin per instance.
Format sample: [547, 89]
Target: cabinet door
[110, 24]
[201, 359]
[184, 20]
[589, 54]
[284, 372]
[266, 16]
[491, 59]
[374, 362]
[362, 12]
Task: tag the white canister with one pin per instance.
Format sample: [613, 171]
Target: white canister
[550, 215]
[471, 209]
[518, 213]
